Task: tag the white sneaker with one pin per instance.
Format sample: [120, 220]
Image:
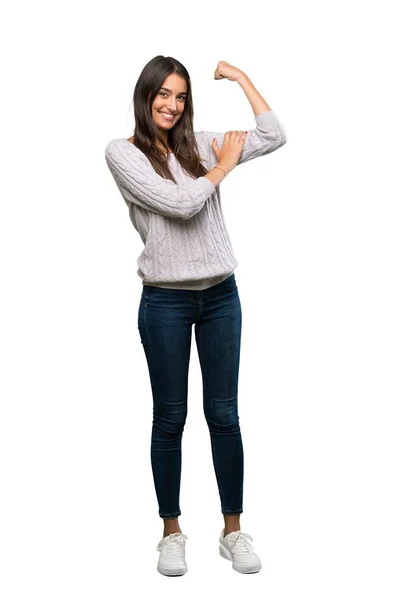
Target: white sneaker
[236, 547]
[172, 555]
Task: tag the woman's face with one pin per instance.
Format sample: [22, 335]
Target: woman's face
[169, 103]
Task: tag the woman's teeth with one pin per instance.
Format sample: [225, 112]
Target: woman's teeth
[168, 117]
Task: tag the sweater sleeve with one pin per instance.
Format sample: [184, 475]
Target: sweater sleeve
[134, 173]
[267, 136]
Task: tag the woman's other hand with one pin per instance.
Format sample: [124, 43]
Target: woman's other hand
[226, 71]
[229, 153]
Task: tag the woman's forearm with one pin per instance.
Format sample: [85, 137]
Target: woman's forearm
[216, 175]
[258, 104]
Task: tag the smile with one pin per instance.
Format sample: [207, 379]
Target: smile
[167, 116]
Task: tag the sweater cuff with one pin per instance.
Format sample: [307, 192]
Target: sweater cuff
[206, 185]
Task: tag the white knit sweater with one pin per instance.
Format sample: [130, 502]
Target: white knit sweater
[186, 243]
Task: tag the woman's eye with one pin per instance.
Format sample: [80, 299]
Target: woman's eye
[165, 94]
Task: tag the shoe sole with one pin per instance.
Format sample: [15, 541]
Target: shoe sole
[172, 572]
[225, 554]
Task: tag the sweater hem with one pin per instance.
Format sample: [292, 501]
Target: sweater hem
[198, 284]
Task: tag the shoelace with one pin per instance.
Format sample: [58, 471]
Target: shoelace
[239, 542]
[172, 544]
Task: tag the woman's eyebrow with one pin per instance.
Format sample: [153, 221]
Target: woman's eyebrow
[164, 88]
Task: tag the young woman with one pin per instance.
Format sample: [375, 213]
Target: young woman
[169, 177]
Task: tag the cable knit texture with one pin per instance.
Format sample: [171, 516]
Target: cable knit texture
[186, 242]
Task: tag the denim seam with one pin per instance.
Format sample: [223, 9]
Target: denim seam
[146, 303]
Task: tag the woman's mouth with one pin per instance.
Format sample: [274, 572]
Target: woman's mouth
[167, 116]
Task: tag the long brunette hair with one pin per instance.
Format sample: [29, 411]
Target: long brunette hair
[181, 137]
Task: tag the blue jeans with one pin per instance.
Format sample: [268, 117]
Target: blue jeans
[165, 320]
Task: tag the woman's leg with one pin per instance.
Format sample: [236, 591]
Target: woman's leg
[218, 336]
[165, 326]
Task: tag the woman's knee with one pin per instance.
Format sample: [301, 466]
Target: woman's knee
[222, 414]
[169, 416]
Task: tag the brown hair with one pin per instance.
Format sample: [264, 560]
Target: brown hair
[181, 137]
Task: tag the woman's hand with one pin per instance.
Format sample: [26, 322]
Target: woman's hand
[229, 153]
[226, 71]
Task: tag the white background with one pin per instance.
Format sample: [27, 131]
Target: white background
[315, 227]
